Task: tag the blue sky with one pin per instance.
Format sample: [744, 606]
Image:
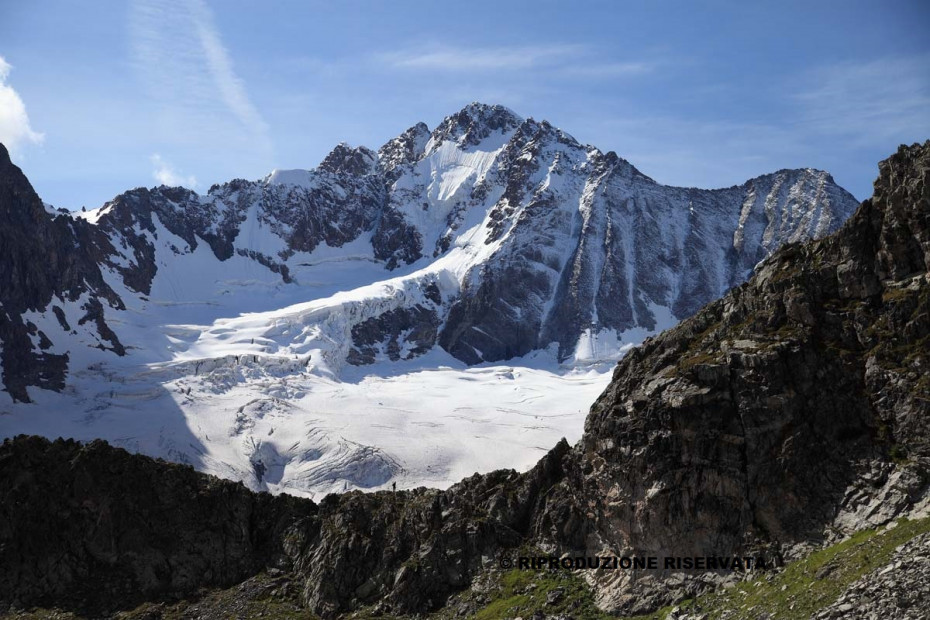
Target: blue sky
[709, 94]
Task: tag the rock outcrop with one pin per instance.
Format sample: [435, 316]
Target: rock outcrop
[91, 528]
[44, 255]
[795, 406]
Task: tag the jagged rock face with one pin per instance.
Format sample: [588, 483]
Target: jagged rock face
[42, 256]
[407, 148]
[346, 160]
[343, 206]
[756, 422]
[339, 202]
[403, 333]
[538, 238]
[476, 122]
[130, 222]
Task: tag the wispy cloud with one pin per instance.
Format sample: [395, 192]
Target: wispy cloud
[189, 71]
[166, 174]
[448, 58]
[15, 130]
[231, 88]
[608, 70]
[883, 99]
[562, 59]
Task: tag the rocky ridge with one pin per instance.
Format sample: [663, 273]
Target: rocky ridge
[43, 255]
[786, 415]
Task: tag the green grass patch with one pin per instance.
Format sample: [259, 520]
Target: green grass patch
[806, 586]
[896, 294]
[696, 360]
[523, 592]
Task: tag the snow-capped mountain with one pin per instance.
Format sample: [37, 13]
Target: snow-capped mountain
[490, 238]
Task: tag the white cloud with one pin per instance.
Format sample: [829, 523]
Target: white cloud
[563, 60]
[231, 88]
[15, 130]
[447, 58]
[608, 70]
[166, 174]
[188, 70]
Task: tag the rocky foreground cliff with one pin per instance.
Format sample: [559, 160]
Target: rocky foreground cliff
[790, 414]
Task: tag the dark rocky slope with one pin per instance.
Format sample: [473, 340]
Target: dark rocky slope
[88, 527]
[798, 402]
[41, 256]
[789, 413]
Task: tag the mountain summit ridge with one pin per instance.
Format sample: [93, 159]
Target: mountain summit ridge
[563, 226]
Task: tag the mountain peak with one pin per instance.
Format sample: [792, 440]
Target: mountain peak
[345, 159]
[475, 122]
[24, 201]
[478, 109]
[405, 148]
